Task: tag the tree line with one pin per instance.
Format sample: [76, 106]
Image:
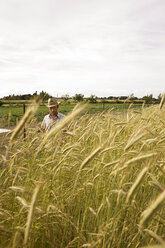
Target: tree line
[80, 97]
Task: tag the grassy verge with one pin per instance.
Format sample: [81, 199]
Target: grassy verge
[97, 182]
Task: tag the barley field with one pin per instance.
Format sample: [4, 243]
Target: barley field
[92, 181]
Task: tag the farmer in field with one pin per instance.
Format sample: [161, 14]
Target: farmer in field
[53, 117]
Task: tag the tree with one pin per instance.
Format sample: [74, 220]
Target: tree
[92, 99]
[159, 97]
[131, 96]
[65, 97]
[44, 95]
[78, 97]
[35, 93]
[148, 98]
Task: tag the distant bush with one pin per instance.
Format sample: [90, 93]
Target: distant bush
[78, 97]
[1, 103]
[92, 99]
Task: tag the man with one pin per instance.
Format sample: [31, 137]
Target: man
[53, 117]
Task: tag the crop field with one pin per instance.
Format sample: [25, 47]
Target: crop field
[94, 181]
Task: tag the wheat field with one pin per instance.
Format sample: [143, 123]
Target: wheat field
[92, 181]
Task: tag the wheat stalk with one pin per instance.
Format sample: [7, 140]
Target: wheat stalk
[136, 184]
[133, 160]
[23, 201]
[30, 215]
[27, 116]
[17, 189]
[154, 235]
[134, 140]
[153, 246]
[86, 161]
[16, 240]
[162, 101]
[147, 214]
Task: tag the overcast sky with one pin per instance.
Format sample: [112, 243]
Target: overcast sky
[101, 47]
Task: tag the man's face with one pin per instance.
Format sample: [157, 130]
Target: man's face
[54, 110]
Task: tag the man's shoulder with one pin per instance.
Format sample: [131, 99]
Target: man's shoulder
[60, 115]
[46, 117]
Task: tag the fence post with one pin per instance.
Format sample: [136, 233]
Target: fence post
[24, 131]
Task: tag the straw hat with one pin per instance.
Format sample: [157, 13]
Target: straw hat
[52, 102]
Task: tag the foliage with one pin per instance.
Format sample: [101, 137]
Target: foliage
[42, 95]
[132, 97]
[148, 98]
[97, 182]
[65, 97]
[159, 97]
[18, 97]
[78, 97]
[92, 99]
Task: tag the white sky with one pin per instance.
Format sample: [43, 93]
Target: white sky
[101, 47]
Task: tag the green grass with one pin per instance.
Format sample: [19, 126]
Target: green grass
[82, 187]
[11, 114]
